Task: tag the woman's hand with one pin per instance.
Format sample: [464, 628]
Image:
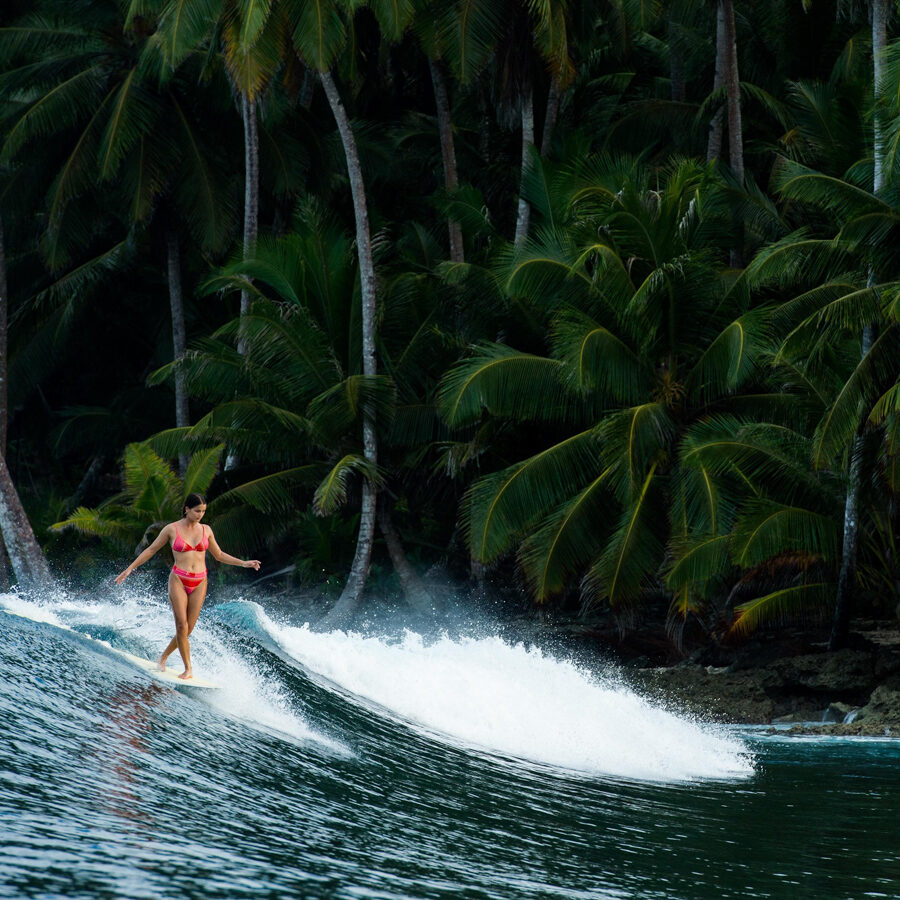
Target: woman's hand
[122, 576]
[251, 564]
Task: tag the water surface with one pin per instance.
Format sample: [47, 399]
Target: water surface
[351, 766]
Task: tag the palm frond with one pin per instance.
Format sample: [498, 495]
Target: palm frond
[784, 604]
[502, 506]
[505, 382]
[331, 494]
[766, 529]
[567, 541]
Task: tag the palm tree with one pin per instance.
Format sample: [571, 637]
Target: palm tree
[138, 139]
[152, 495]
[648, 346]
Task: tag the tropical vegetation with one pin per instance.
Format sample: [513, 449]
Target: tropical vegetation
[596, 305]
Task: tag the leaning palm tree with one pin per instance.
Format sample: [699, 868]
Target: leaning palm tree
[648, 345]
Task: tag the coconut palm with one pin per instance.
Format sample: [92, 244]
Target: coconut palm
[143, 142]
[647, 347]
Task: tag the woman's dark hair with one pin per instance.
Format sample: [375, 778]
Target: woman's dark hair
[191, 501]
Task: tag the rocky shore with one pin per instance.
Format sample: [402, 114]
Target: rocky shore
[850, 691]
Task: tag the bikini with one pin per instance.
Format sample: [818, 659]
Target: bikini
[190, 580]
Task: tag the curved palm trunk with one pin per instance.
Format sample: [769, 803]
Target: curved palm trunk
[448, 152]
[527, 142]
[25, 554]
[840, 628]
[414, 589]
[179, 334]
[359, 570]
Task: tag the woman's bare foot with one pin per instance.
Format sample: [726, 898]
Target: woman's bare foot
[187, 673]
[161, 663]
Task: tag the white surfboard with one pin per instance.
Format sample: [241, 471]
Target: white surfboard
[169, 676]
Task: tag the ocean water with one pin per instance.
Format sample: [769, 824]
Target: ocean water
[347, 765]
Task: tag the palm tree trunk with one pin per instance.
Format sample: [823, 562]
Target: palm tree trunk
[179, 334]
[840, 628]
[527, 143]
[25, 554]
[414, 589]
[553, 98]
[448, 152]
[251, 216]
[251, 185]
[733, 90]
[359, 570]
[717, 123]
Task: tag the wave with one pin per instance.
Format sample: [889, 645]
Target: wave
[508, 700]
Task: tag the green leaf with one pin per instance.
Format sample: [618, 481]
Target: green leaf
[567, 540]
[505, 382]
[202, 468]
[786, 603]
[500, 507]
[331, 494]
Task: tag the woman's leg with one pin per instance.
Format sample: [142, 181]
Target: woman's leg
[195, 604]
[178, 597]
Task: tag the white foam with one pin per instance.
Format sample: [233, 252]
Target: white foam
[488, 694]
[141, 621]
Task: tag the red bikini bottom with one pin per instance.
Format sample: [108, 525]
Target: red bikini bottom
[190, 580]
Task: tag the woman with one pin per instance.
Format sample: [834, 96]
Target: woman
[187, 580]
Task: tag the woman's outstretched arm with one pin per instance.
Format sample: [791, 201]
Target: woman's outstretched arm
[221, 556]
[150, 552]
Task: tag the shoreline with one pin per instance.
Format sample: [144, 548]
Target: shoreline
[853, 691]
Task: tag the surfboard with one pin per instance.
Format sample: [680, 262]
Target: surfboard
[169, 676]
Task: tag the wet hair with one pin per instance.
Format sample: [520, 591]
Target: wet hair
[191, 501]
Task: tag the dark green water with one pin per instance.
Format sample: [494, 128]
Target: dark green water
[352, 767]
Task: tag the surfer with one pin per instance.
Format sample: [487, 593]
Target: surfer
[189, 540]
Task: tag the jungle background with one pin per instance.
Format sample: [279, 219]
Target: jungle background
[591, 307]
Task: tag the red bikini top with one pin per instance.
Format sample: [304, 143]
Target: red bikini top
[180, 545]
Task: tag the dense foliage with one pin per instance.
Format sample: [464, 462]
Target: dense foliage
[600, 299]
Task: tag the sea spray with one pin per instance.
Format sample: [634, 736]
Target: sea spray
[137, 623]
[506, 699]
